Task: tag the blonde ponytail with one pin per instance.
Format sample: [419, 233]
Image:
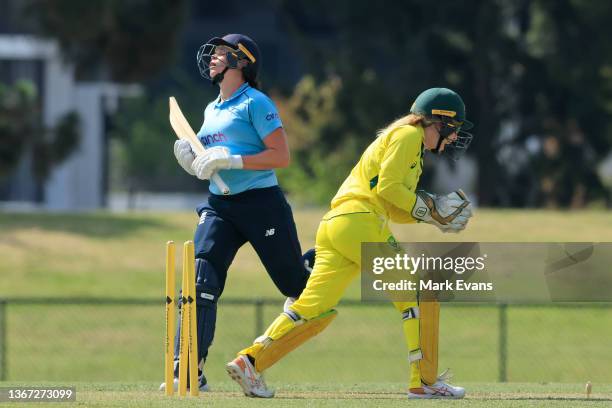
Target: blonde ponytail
[412, 119]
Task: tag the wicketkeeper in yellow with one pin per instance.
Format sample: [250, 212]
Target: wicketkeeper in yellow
[381, 187]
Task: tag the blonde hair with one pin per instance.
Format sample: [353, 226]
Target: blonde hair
[412, 119]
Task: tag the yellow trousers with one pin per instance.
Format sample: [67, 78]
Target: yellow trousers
[338, 259]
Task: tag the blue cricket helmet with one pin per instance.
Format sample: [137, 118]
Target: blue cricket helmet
[242, 48]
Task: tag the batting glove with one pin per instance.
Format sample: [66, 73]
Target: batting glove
[450, 213]
[215, 159]
[184, 155]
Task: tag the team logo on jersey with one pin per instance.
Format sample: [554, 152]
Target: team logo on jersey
[391, 241]
[271, 115]
[213, 138]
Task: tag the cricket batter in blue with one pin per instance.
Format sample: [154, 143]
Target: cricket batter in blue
[245, 141]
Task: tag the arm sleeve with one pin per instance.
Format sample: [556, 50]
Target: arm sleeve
[264, 116]
[403, 148]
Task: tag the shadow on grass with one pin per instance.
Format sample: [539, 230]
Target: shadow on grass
[395, 396]
[101, 225]
[527, 398]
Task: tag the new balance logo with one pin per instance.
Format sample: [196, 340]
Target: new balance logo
[207, 296]
[202, 218]
[269, 232]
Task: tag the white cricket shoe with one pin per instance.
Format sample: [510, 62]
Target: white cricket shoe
[242, 371]
[440, 389]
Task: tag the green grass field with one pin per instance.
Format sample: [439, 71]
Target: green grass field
[122, 255]
[361, 357]
[339, 395]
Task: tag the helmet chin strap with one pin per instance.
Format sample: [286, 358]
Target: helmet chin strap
[440, 140]
[216, 80]
[232, 62]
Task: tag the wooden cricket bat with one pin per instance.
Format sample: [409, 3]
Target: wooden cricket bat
[185, 132]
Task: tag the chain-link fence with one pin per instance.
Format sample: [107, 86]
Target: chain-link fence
[122, 340]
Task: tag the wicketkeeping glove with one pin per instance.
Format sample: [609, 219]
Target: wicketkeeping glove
[450, 213]
[184, 155]
[215, 159]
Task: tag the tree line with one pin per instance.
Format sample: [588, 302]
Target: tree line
[535, 75]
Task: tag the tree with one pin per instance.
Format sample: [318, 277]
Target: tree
[524, 69]
[135, 39]
[309, 117]
[407, 48]
[565, 91]
[142, 140]
[21, 130]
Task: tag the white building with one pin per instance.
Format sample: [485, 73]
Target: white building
[79, 183]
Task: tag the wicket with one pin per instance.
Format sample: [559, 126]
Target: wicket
[188, 356]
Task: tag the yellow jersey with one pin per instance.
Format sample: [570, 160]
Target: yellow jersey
[385, 178]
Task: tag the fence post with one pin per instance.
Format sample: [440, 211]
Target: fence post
[3, 337]
[259, 305]
[503, 343]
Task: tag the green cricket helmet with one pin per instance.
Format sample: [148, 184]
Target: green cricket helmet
[444, 103]
[445, 106]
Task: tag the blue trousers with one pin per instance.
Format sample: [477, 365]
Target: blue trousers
[261, 217]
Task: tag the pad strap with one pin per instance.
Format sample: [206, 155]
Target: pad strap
[274, 350]
[415, 355]
[293, 315]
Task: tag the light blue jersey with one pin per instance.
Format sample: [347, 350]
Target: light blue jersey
[241, 123]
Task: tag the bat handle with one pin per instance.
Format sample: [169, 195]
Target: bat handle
[221, 184]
